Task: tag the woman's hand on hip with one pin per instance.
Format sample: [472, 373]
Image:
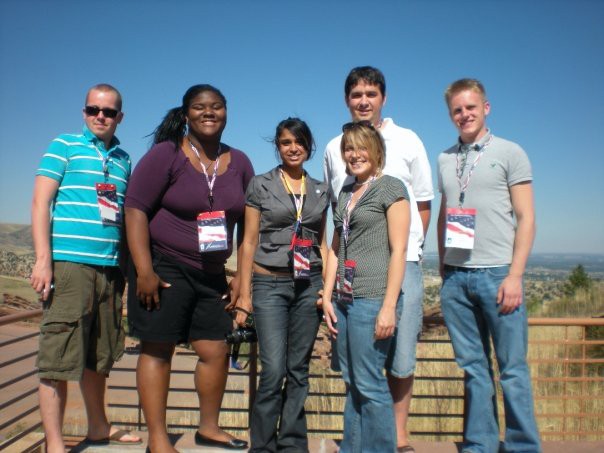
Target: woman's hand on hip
[147, 290]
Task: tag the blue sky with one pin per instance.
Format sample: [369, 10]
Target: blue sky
[542, 63]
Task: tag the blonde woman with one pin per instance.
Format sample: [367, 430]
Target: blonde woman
[365, 268]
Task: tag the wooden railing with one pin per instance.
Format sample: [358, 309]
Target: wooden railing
[19, 409]
[566, 357]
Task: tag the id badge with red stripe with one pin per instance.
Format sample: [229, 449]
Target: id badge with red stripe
[106, 196]
[212, 231]
[302, 258]
[345, 282]
[461, 224]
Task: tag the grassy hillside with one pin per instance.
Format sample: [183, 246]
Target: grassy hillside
[16, 238]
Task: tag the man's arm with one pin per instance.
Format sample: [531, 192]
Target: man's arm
[510, 291]
[331, 176]
[425, 211]
[440, 233]
[421, 177]
[45, 189]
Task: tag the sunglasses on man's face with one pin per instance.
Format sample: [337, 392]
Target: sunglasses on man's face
[352, 125]
[93, 110]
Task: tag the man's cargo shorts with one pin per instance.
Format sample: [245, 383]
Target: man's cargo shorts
[82, 322]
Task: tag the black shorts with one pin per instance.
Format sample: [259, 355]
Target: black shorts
[191, 309]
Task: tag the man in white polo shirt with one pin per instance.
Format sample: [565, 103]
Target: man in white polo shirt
[406, 159]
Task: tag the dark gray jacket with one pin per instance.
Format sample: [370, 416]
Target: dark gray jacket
[278, 215]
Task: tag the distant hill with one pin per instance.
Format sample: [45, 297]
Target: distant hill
[16, 238]
[555, 263]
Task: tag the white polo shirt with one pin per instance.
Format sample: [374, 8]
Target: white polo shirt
[406, 159]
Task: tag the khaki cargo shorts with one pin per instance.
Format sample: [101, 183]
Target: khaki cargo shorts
[82, 322]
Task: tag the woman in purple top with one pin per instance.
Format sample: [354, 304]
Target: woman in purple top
[184, 199]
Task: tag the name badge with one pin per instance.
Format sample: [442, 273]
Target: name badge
[212, 231]
[106, 196]
[302, 258]
[461, 224]
[344, 286]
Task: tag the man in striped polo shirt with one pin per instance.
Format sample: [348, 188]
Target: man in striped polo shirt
[82, 181]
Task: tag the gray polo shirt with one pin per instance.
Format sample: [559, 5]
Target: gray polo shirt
[502, 165]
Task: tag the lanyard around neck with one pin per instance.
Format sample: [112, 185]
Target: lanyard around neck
[348, 210]
[205, 172]
[105, 160]
[298, 202]
[298, 199]
[461, 164]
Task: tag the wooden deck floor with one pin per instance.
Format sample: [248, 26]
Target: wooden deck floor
[185, 444]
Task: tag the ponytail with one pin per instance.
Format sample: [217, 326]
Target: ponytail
[172, 128]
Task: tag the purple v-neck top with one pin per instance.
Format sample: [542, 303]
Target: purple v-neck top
[166, 187]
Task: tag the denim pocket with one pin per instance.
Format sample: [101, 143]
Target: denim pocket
[499, 272]
[262, 283]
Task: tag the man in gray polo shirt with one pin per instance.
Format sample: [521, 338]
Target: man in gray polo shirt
[486, 227]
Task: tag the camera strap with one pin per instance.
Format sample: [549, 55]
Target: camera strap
[234, 359]
[243, 310]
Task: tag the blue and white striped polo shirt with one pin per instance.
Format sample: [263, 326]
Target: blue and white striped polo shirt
[75, 161]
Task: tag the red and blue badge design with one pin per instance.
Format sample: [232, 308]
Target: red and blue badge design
[345, 282]
[109, 208]
[212, 231]
[461, 225]
[302, 258]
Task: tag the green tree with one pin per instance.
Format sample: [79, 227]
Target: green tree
[578, 279]
[534, 305]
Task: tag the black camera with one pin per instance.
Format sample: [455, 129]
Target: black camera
[246, 334]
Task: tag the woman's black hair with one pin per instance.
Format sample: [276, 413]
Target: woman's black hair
[298, 129]
[173, 126]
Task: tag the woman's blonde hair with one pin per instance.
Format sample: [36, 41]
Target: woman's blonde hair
[362, 134]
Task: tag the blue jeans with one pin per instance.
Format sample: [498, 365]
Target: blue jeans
[368, 416]
[469, 305]
[402, 356]
[287, 321]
